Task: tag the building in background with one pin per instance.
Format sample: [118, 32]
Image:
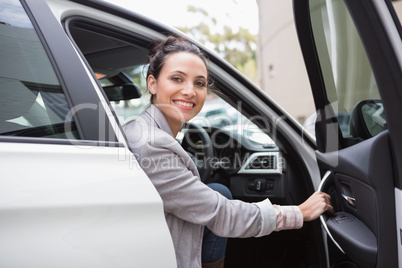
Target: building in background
[280, 64]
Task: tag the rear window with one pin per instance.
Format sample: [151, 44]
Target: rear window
[32, 102]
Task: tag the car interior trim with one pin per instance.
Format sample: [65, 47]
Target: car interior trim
[327, 175]
[398, 209]
[250, 168]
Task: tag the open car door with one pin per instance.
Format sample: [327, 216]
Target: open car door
[353, 53]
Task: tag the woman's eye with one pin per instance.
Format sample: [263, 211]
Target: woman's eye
[200, 84]
[177, 79]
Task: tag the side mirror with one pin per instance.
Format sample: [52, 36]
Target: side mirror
[368, 119]
[122, 92]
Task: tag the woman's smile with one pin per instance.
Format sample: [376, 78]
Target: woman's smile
[184, 104]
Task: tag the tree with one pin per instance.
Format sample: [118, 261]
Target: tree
[238, 48]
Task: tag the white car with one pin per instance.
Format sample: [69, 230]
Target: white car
[72, 194]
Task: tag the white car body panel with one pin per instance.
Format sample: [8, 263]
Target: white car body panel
[90, 207]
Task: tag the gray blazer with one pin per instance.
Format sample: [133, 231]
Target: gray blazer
[189, 204]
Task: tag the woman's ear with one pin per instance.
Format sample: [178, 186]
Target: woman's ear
[151, 82]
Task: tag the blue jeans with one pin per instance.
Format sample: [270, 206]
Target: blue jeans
[213, 246]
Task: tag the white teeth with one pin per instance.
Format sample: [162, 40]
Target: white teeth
[187, 104]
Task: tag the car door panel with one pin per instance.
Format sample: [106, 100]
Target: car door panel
[363, 191]
[355, 239]
[361, 170]
[83, 203]
[398, 206]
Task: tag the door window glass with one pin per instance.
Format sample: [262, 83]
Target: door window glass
[120, 66]
[32, 102]
[130, 109]
[350, 85]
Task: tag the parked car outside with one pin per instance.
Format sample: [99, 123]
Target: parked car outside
[216, 113]
[73, 195]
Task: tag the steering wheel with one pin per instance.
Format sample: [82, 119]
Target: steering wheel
[196, 141]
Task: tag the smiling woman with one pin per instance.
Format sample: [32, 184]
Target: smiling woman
[177, 78]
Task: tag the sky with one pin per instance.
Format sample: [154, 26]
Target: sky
[234, 13]
[12, 13]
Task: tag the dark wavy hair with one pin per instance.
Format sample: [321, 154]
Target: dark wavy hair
[160, 49]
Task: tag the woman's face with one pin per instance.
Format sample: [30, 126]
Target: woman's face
[181, 88]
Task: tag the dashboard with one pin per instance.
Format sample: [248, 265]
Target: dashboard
[253, 169]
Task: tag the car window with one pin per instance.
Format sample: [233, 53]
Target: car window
[128, 66]
[130, 109]
[216, 113]
[32, 102]
[350, 85]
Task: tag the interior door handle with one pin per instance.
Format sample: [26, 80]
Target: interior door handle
[322, 218]
[351, 200]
